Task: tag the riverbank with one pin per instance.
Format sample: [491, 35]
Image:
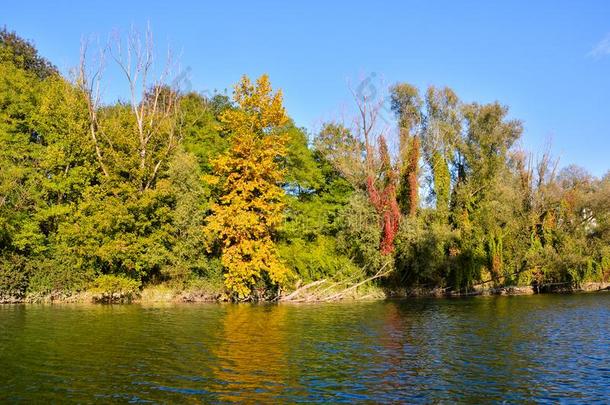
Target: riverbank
[165, 294]
[479, 290]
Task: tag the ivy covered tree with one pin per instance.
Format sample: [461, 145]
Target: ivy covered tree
[407, 104]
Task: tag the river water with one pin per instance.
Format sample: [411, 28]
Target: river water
[484, 349]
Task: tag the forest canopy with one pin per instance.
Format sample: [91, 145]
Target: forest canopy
[177, 188]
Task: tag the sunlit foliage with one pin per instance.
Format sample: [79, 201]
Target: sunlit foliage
[189, 189]
[251, 204]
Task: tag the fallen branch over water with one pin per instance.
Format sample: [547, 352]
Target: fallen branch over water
[341, 294]
[302, 289]
[304, 293]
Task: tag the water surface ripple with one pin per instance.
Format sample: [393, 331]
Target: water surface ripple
[545, 348]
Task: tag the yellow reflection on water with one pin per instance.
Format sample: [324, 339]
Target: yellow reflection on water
[252, 355]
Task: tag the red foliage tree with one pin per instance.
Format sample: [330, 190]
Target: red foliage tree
[384, 201]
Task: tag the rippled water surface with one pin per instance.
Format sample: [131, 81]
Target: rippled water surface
[486, 349]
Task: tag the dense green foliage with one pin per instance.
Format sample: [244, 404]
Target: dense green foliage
[112, 197]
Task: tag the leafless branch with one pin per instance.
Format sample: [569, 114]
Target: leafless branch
[89, 83]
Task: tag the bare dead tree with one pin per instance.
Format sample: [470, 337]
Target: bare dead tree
[546, 167]
[89, 81]
[369, 128]
[366, 124]
[153, 101]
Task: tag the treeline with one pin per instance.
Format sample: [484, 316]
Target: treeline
[191, 191]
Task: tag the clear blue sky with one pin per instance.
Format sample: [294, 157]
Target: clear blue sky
[548, 60]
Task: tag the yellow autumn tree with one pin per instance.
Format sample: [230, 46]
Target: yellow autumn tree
[251, 203]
